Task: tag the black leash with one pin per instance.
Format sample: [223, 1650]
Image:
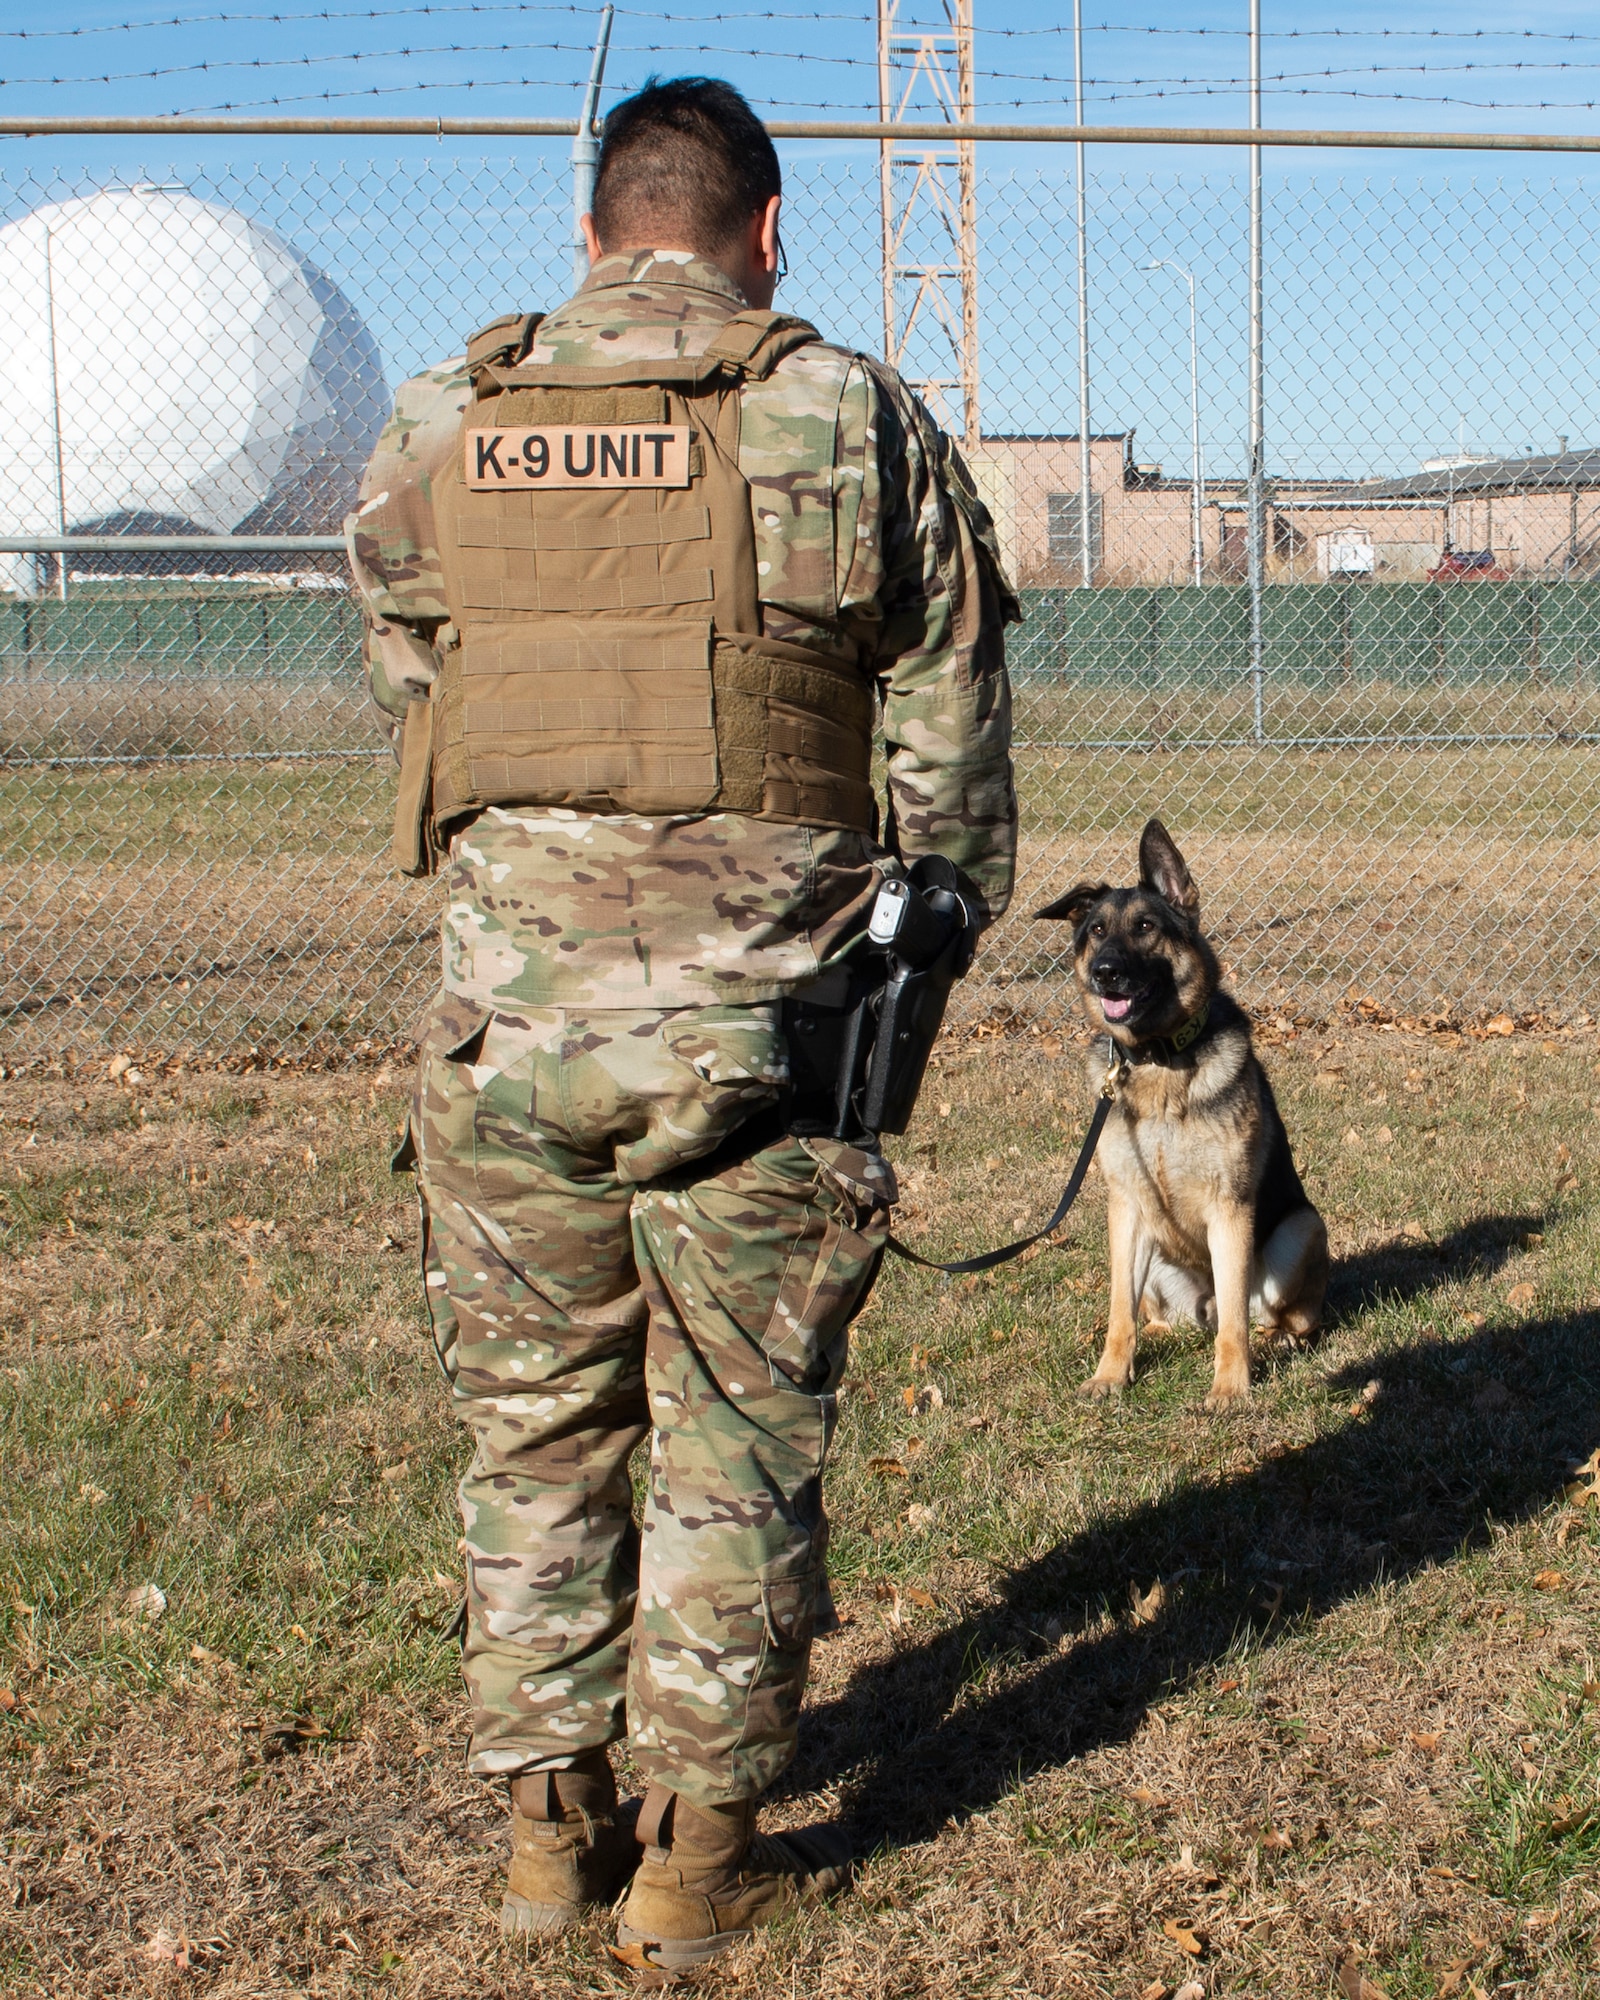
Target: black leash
[1073, 1189]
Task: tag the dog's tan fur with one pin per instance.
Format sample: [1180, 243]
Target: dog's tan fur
[1208, 1219]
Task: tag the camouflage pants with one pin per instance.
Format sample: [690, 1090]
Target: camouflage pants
[588, 1284]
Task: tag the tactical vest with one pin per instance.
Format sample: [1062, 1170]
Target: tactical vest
[598, 551]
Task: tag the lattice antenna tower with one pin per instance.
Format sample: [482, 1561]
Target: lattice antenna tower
[930, 208]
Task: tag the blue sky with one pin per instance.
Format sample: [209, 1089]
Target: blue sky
[1412, 299]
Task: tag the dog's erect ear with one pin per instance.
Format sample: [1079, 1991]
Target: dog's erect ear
[1075, 902]
[1162, 868]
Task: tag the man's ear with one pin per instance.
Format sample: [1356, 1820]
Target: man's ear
[1163, 868]
[591, 239]
[1076, 903]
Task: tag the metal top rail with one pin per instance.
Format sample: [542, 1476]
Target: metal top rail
[84, 545]
[935, 134]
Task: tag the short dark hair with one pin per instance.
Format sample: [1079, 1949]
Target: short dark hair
[687, 158]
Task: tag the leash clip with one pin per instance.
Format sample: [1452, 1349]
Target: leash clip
[1118, 1070]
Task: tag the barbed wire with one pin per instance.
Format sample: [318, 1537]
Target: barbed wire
[1208, 85]
[283, 18]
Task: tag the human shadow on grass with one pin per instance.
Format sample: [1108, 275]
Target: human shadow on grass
[1454, 1437]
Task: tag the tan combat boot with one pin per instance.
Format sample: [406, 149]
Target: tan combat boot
[571, 1850]
[708, 1879]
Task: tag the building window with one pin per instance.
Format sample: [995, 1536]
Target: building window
[1066, 531]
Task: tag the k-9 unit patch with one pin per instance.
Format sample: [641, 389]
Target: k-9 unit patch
[563, 455]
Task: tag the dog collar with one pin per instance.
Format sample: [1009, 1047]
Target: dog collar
[1166, 1049]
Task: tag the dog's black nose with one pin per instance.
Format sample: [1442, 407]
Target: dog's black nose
[1108, 971]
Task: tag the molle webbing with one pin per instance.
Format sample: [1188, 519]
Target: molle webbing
[608, 651]
[628, 718]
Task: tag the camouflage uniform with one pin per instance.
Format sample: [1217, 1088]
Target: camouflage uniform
[619, 1239]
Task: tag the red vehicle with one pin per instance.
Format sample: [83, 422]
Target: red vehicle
[1468, 566]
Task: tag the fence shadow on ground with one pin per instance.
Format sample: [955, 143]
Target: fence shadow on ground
[1459, 1436]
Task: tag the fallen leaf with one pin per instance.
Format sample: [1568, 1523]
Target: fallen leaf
[1415, 1233]
[1477, 1321]
[887, 1468]
[1502, 1024]
[95, 1495]
[1184, 1937]
[918, 1516]
[1158, 1989]
[924, 1600]
[201, 1655]
[1568, 1817]
[1567, 1184]
[1228, 1687]
[1549, 1579]
[1146, 1797]
[1276, 1842]
[1384, 1136]
[1450, 1979]
[297, 1632]
[8, 1700]
[913, 1445]
[1427, 1740]
[147, 1601]
[118, 1066]
[929, 1397]
[908, 1396]
[1352, 1137]
[1191, 1989]
[395, 1473]
[165, 1949]
[1147, 1606]
[1186, 1865]
[1520, 1295]
[1355, 1985]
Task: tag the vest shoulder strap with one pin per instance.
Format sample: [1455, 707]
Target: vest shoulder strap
[755, 342]
[504, 339]
[750, 344]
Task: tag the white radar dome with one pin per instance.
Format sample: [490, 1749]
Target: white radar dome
[169, 365]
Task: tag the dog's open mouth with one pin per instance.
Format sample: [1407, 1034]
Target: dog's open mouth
[1118, 1006]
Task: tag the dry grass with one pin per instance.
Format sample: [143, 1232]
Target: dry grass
[1356, 1718]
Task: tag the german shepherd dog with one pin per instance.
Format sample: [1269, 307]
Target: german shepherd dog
[1208, 1218]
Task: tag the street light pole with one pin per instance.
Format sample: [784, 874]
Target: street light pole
[1197, 474]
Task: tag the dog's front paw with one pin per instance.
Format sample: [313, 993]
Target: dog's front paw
[1227, 1396]
[1099, 1388]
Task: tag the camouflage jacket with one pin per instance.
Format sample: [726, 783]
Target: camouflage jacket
[869, 538]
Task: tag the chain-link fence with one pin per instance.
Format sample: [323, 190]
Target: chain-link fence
[1394, 793]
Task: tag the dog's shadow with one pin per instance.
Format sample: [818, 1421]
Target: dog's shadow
[1453, 1436]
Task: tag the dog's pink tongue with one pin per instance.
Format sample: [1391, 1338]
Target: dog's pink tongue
[1116, 1010]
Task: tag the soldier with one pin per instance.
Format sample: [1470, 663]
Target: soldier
[633, 575]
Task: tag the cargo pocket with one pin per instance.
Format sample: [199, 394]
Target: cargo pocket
[831, 1264]
[437, 1144]
[790, 1588]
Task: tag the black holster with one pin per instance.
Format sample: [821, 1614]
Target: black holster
[860, 1040]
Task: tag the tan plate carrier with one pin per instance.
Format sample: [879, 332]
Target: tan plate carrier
[607, 651]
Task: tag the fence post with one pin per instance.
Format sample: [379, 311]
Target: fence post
[586, 149]
[1257, 533]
